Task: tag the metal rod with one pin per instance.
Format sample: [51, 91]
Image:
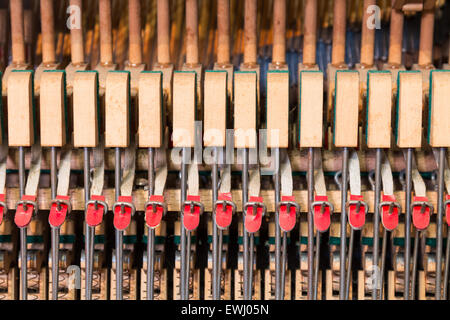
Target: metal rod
[188, 265]
[343, 224]
[310, 223]
[119, 234]
[376, 216]
[408, 222]
[446, 266]
[89, 231]
[276, 156]
[55, 231]
[348, 280]
[251, 264]
[383, 263]
[151, 232]
[215, 271]
[23, 231]
[182, 229]
[439, 218]
[283, 266]
[316, 266]
[219, 259]
[244, 232]
[414, 263]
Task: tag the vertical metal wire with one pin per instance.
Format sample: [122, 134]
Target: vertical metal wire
[119, 234]
[439, 219]
[89, 231]
[244, 232]
[215, 271]
[376, 216]
[23, 231]
[343, 224]
[55, 231]
[182, 229]
[310, 223]
[151, 232]
[408, 223]
[278, 266]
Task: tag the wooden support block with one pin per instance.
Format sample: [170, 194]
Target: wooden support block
[311, 109]
[346, 109]
[71, 71]
[38, 74]
[9, 69]
[20, 109]
[277, 109]
[425, 71]
[331, 86]
[409, 110]
[439, 126]
[394, 70]
[229, 69]
[135, 72]
[167, 71]
[245, 102]
[184, 109]
[150, 110]
[117, 109]
[215, 106]
[85, 109]
[53, 111]
[103, 70]
[379, 109]
[253, 68]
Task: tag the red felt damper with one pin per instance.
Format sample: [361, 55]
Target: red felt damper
[421, 220]
[356, 218]
[2, 208]
[95, 217]
[153, 219]
[389, 220]
[287, 219]
[191, 220]
[22, 218]
[122, 218]
[253, 219]
[322, 221]
[56, 217]
[447, 209]
[224, 217]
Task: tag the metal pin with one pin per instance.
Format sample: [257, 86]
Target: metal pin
[23, 231]
[316, 266]
[376, 217]
[278, 270]
[310, 223]
[119, 234]
[343, 259]
[250, 266]
[348, 281]
[89, 231]
[383, 263]
[151, 231]
[188, 265]
[417, 237]
[182, 229]
[440, 215]
[216, 262]
[446, 266]
[408, 222]
[219, 259]
[244, 232]
[55, 231]
[283, 265]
